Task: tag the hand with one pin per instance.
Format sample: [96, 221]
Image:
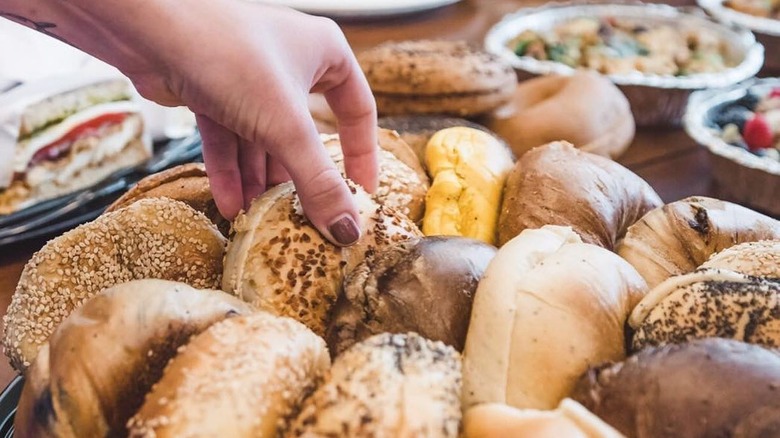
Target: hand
[246, 70]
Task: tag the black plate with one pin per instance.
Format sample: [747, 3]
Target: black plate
[53, 217]
[8, 401]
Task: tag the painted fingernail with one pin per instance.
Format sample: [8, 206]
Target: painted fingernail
[345, 231]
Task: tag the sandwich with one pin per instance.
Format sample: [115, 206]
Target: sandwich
[67, 134]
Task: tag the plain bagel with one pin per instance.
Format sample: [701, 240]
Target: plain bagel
[556, 184]
[152, 238]
[680, 236]
[585, 109]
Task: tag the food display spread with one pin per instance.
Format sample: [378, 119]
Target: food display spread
[619, 45]
[500, 287]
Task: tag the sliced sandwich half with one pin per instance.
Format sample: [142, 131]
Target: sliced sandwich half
[57, 140]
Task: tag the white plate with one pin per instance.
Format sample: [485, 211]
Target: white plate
[361, 8]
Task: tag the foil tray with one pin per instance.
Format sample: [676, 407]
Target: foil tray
[654, 99]
[739, 175]
[767, 30]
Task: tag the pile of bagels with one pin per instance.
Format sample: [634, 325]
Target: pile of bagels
[493, 293]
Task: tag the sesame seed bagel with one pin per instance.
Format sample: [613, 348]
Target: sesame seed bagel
[93, 374]
[279, 262]
[403, 182]
[709, 303]
[187, 183]
[390, 385]
[759, 259]
[678, 237]
[152, 238]
[242, 377]
[436, 77]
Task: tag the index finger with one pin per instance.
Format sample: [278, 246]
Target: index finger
[355, 109]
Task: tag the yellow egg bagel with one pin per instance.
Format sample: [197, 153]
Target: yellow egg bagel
[468, 168]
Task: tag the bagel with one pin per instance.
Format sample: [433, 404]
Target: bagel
[469, 168]
[585, 109]
[402, 180]
[757, 259]
[678, 237]
[548, 307]
[709, 303]
[152, 238]
[424, 286]
[569, 420]
[436, 77]
[417, 130]
[106, 355]
[556, 184]
[279, 262]
[187, 183]
[705, 388]
[241, 377]
[390, 385]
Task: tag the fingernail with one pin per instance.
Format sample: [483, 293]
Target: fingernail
[345, 231]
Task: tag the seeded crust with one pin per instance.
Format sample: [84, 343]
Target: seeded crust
[103, 359]
[152, 238]
[403, 182]
[678, 237]
[433, 68]
[709, 303]
[187, 183]
[243, 377]
[390, 385]
[279, 262]
[436, 77]
[758, 259]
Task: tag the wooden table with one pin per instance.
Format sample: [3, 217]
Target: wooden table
[670, 161]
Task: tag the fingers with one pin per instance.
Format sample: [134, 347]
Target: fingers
[276, 173]
[252, 161]
[220, 154]
[324, 195]
[353, 104]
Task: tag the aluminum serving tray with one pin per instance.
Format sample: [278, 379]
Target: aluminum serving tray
[767, 30]
[655, 99]
[740, 176]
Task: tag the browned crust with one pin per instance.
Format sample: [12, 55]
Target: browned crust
[189, 170]
[556, 184]
[187, 183]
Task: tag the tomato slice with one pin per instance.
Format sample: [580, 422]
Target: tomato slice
[60, 147]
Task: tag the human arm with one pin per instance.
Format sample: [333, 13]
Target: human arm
[246, 70]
